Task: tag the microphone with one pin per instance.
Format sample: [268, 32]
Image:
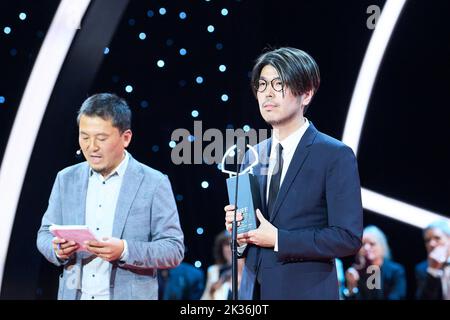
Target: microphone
[240, 145]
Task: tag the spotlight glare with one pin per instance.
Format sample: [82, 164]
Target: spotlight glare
[199, 80]
[160, 63]
[224, 98]
[195, 113]
[162, 11]
[22, 16]
[205, 184]
[129, 88]
[224, 11]
[210, 28]
[142, 36]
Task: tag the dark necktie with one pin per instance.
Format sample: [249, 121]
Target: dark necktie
[275, 180]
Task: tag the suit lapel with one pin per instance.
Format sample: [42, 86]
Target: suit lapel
[300, 155]
[130, 185]
[80, 195]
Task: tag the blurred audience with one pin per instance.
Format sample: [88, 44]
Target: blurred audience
[184, 282]
[374, 276]
[222, 288]
[433, 274]
[340, 277]
[217, 273]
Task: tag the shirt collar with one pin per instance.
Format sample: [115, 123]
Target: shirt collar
[119, 170]
[290, 143]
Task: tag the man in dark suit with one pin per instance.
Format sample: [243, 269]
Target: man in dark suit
[311, 207]
[433, 274]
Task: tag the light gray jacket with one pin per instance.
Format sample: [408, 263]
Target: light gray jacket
[146, 217]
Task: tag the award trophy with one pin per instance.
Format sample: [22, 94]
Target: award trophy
[243, 192]
[248, 197]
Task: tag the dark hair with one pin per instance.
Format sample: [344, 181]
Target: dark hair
[297, 69]
[221, 239]
[107, 106]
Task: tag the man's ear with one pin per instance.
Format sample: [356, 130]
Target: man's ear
[127, 135]
[307, 96]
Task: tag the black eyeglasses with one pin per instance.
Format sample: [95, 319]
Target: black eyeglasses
[276, 84]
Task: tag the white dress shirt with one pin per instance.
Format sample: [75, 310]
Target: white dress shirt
[101, 201]
[289, 145]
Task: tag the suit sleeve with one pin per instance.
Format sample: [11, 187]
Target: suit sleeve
[166, 248]
[53, 215]
[342, 236]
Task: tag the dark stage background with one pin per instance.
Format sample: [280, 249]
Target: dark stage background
[403, 150]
